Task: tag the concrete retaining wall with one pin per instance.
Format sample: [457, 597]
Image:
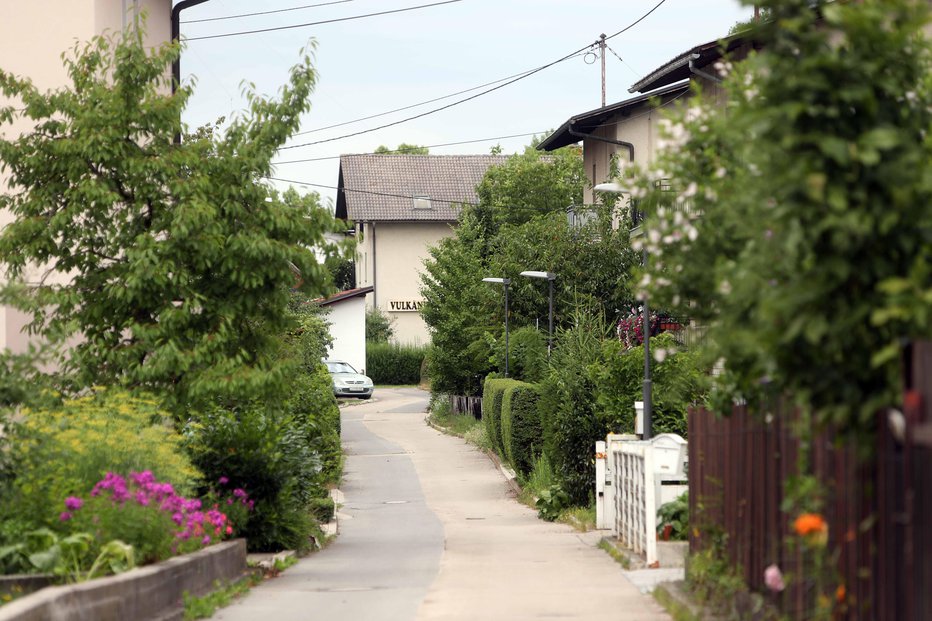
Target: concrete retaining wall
[153, 592]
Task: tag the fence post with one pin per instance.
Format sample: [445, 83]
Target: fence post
[650, 507]
[600, 499]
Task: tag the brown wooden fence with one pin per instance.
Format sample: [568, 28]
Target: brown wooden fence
[879, 508]
[466, 405]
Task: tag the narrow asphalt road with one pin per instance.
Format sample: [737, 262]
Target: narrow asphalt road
[430, 531]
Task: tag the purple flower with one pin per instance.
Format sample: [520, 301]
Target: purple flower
[65, 516]
[73, 503]
[206, 540]
[177, 518]
[239, 492]
[773, 578]
[223, 480]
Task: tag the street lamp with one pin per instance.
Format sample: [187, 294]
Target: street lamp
[504, 282]
[615, 188]
[550, 277]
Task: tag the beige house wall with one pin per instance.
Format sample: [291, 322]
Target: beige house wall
[641, 127]
[390, 256]
[33, 35]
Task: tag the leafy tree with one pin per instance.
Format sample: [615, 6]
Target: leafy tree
[178, 256]
[531, 184]
[810, 263]
[592, 263]
[458, 308]
[519, 224]
[342, 272]
[403, 149]
[380, 328]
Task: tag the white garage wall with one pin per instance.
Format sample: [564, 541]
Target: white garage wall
[348, 327]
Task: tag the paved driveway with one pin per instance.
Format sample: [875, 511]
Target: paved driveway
[431, 531]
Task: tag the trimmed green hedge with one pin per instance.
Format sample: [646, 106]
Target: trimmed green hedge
[493, 393]
[521, 426]
[391, 364]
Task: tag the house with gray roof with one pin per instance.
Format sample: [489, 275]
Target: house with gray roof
[401, 205]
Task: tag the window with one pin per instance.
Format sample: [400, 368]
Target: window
[422, 202]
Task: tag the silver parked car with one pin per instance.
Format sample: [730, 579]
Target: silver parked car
[347, 382]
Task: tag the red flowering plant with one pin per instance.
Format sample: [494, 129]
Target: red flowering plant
[150, 516]
[630, 328]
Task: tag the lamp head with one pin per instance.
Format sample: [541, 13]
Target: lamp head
[544, 275]
[501, 281]
[613, 187]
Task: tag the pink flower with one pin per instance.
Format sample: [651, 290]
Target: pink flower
[64, 516]
[73, 503]
[223, 480]
[229, 530]
[773, 579]
[206, 540]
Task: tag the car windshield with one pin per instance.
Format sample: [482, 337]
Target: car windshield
[340, 367]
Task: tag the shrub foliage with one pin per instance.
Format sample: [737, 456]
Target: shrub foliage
[391, 364]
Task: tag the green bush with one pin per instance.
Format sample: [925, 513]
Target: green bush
[266, 452]
[394, 364]
[493, 395]
[380, 328]
[313, 405]
[679, 380]
[63, 451]
[521, 429]
[568, 419]
[527, 354]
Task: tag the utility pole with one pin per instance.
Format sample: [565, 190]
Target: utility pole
[602, 46]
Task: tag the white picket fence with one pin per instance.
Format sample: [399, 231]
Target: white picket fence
[633, 479]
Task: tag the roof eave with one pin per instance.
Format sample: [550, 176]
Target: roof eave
[564, 135]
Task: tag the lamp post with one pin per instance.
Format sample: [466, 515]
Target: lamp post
[647, 390]
[504, 282]
[550, 277]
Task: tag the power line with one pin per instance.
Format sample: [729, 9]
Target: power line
[416, 105]
[633, 70]
[426, 146]
[326, 21]
[296, 8]
[441, 108]
[450, 144]
[372, 192]
[480, 94]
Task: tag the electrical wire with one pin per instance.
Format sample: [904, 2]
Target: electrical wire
[450, 144]
[416, 105]
[296, 8]
[372, 192]
[326, 21]
[480, 94]
[426, 146]
[633, 70]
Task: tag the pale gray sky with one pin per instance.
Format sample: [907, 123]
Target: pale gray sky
[373, 65]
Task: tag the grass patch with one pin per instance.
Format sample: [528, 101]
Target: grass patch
[541, 478]
[580, 518]
[205, 607]
[462, 425]
[615, 553]
[677, 610]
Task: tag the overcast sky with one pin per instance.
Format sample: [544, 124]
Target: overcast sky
[373, 65]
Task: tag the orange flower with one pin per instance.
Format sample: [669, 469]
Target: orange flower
[810, 524]
[840, 593]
